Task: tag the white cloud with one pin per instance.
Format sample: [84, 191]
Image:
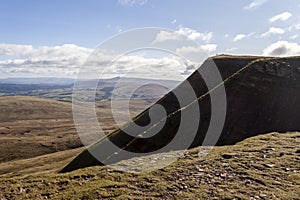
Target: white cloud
[255, 4]
[165, 36]
[294, 27]
[56, 61]
[181, 33]
[294, 37]
[195, 49]
[273, 31]
[282, 48]
[196, 55]
[239, 37]
[208, 48]
[174, 21]
[231, 49]
[297, 26]
[15, 50]
[66, 60]
[144, 67]
[282, 17]
[66, 51]
[132, 2]
[195, 35]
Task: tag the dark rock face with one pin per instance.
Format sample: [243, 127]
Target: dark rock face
[262, 98]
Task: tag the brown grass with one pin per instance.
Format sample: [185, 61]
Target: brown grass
[31, 126]
[262, 167]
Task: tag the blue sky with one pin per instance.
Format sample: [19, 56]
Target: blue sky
[255, 27]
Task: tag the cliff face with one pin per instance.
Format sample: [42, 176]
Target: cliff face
[261, 98]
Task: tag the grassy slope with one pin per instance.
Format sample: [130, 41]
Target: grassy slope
[246, 171]
[31, 126]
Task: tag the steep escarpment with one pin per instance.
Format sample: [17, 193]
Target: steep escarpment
[262, 99]
[262, 96]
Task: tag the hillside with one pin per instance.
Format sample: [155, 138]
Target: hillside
[262, 167]
[28, 108]
[253, 158]
[31, 126]
[262, 96]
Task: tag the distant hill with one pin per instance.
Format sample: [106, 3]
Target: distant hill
[32, 108]
[70, 81]
[62, 89]
[262, 96]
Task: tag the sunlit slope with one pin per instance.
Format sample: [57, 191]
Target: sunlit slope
[261, 167]
[31, 126]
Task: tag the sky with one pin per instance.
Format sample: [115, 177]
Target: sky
[55, 38]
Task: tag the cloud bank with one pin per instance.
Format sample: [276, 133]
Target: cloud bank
[183, 32]
[273, 31]
[132, 2]
[281, 17]
[255, 4]
[282, 48]
[239, 37]
[66, 60]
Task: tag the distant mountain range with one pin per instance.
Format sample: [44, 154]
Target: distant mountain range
[62, 88]
[69, 81]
